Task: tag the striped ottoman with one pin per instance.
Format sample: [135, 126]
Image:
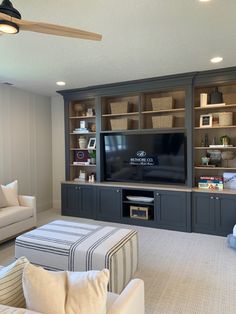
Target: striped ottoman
[64, 245]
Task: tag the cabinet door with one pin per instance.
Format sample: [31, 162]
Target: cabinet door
[87, 195]
[203, 213]
[109, 203]
[225, 206]
[171, 210]
[70, 200]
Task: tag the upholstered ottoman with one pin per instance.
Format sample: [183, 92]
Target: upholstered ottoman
[64, 245]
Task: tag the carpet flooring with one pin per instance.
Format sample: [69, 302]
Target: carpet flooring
[184, 273]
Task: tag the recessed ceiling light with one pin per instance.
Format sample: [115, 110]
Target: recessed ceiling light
[216, 59]
[61, 83]
[204, 0]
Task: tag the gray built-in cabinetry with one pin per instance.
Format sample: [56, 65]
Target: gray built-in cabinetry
[184, 207]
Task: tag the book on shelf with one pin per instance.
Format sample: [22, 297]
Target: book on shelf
[211, 185]
[220, 146]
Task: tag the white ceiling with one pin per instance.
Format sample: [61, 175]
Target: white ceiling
[141, 39]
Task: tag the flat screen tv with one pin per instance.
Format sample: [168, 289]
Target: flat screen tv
[148, 158]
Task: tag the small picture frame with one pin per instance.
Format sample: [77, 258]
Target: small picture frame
[205, 120]
[92, 143]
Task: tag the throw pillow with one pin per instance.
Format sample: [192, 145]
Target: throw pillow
[65, 292]
[11, 292]
[44, 291]
[87, 292]
[3, 201]
[11, 193]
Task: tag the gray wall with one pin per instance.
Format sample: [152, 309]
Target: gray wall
[26, 143]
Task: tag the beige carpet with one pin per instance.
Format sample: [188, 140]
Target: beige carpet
[183, 272]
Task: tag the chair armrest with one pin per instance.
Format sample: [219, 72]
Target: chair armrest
[28, 201]
[131, 299]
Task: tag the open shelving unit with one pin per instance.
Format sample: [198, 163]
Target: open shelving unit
[214, 132]
[82, 116]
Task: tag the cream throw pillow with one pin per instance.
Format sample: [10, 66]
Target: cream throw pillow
[11, 292]
[87, 292]
[65, 292]
[3, 201]
[44, 291]
[11, 193]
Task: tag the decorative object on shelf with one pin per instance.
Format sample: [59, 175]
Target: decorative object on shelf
[139, 212]
[225, 118]
[92, 143]
[78, 108]
[119, 107]
[92, 155]
[82, 142]
[214, 141]
[140, 199]
[120, 124]
[205, 120]
[162, 103]
[205, 160]
[82, 175]
[83, 124]
[225, 140]
[215, 118]
[92, 178]
[206, 142]
[93, 127]
[162, 121]
[80, 157]
[216, 97]
[89, 112]
[203, 99]
[227, 155]
[211, 183]
[215, 157]
[229, 180]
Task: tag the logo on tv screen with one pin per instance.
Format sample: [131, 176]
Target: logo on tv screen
[141, 159]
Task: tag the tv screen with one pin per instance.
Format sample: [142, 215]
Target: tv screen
[151, 158]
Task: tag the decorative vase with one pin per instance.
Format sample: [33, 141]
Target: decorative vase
[216, 97]
[82, 142]
[78, 108]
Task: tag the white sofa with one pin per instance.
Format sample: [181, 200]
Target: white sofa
[130, 301]
[17, 219]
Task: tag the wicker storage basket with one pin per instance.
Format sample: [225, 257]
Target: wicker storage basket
[119, 107]
[162, 121]
[162, 103]
[120, 124]
[225, 118]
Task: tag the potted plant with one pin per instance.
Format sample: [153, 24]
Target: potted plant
[92, 155]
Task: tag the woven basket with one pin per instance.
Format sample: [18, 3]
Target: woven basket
[119, 107]
[120, 124]
[162, 103]
[162, 121]
[225, 118]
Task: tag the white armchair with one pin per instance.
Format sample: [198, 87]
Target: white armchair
[17, 219]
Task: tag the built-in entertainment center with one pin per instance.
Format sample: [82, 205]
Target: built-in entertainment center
[137, 151]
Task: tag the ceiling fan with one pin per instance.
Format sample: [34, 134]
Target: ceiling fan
[11, 23]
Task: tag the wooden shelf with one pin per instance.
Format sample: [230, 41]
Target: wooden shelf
[172, 129]
[120, 114]
[215, 127]
[215, 107]
[83, 117]
[215, 168]
[219, 148]
[87, 133]
[164, 110]
[72, 165]
[75, 149]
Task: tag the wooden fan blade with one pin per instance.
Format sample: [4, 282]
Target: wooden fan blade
[51, 29]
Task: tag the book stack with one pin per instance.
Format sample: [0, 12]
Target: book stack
[211, 183]
[81, 130]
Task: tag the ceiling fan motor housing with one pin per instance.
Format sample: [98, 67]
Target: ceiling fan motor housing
[6, 7]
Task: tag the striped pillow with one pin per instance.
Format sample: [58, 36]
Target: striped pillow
[11, 291]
